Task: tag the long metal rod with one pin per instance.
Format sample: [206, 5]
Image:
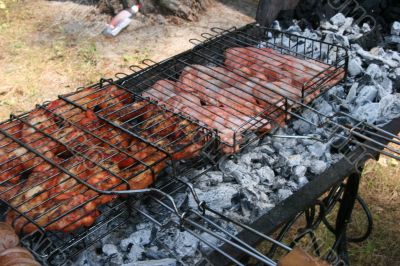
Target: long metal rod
[241, 245]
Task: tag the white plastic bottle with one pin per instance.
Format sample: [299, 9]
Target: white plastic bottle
[121, 21]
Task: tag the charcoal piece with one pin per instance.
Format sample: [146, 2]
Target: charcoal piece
[317, 149]
[385, 88]
[110, 249]
[389, 108]
[318, 167]
[286, 172]
[284, 193]
[395, 30]
[368, 112]
[266, 174]
[277, 145]
[280, 162]
[366, 95]
[216, 197]
[210, 240]
[352, 94]
[154, 253]
[326, 25]
[294, 160]
[338, 20]
[300, 149]
[185, 244]
[140, 237]
[323, 107]
[374, 71]
[300, 171]
[209, 179]
[135, 253]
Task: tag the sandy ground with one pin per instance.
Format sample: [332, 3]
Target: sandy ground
[48, 48]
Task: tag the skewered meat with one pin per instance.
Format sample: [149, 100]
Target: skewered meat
[38, 123]
[245, 56]
[191, 143]
[108, 97]
[49, 193]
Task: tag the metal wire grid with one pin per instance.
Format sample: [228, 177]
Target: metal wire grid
[325, 66]
[309, 77]
[247, 122]
[198, 82]
[52, 248]
[173, 133]
[213, 50]
[48, 155]
[62, 159]
[56, 248]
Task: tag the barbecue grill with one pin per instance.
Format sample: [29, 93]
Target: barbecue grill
[169, 139]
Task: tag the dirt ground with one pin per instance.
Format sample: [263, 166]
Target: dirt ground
[49, 48]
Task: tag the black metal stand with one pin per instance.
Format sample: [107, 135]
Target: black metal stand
[343, 218]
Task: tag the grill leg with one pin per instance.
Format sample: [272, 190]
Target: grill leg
[344, 216]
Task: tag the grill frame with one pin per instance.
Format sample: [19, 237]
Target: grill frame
[48, 245]
[142, 74]
[198, 55]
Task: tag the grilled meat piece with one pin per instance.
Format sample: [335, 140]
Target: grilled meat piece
[11, 165]
[111, 100]
[14, 159]
[58, 201]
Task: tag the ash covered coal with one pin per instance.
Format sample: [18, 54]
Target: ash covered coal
[249, 184]
[373, 80]
[139, 241]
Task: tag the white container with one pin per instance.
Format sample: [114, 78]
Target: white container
[121, 21]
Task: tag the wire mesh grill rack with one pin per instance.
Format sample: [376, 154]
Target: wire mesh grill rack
[64, 164]
[241, 83]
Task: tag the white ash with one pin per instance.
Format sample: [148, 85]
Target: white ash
[395, 28]
[338, 20]
[394, 39]
[366, 28]
[355, 66]
[185, 244]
